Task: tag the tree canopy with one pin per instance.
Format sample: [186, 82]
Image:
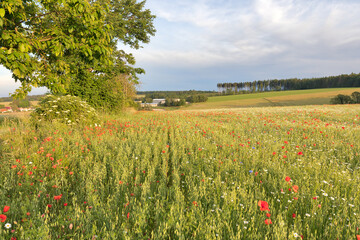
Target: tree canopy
[67, 44]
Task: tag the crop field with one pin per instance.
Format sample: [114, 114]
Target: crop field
[270, 99]
[260, 173]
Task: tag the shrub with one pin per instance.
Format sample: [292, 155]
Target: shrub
[197, 98]
[341, 99]
[66, 109]
[355, 96]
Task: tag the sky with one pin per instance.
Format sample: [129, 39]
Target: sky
[200, 43]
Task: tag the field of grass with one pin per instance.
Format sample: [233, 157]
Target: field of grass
[283, 98]
[261, 173]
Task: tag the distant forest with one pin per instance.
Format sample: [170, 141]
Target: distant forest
[175, 94]
[344, 80]
[29, 98]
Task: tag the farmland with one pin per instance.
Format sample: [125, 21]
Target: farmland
[271, 99]
[259, 173]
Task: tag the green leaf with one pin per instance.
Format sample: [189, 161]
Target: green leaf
[16, 72]
[22, 47]
[2, 12]
[5, 36]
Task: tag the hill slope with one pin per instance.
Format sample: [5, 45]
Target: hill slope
[283, 98]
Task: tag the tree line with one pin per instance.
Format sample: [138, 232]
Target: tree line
[191, 96]
[340, 81]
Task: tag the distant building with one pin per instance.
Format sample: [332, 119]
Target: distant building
[159, 101]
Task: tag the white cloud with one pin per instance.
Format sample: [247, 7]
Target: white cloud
[250, 33]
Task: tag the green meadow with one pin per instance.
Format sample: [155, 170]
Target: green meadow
[281, 98]
[259, 173]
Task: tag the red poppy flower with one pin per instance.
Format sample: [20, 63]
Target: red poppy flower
[300, 153]
[358, 237]
[264, 206]
[293, 215]
[268, 221]
[49, 205]
[128, 215]
[268, 214]
[287, 178]
[295, 188]
[2, 217]
[6, 208]
[57, 197]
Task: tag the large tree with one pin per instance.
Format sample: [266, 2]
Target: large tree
[66, 45]
[108, 86]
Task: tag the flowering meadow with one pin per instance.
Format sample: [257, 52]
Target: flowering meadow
[261, 173]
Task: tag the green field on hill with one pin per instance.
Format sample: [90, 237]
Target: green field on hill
[283, 98]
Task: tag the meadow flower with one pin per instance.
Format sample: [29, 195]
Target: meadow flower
[2, 217]
[57, 197]
[268, 221]
[6, 208]
[264, 206]
[7, 225]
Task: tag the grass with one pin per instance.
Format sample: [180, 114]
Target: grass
[260, 173]
[283, 98]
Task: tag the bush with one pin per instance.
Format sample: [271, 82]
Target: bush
[66, 109]
[355, 96]
[197, 98]
[341, 99]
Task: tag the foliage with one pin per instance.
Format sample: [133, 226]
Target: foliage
[29, 97]
[147, 100]
[20, 103]
[70, 47]
[110, 94]
[112, 87]
[176, 94]
[64, 109]
[346, 99]
[197, 98]
[341, 81]
[38, 39]
[186, 175]
[171, 102]
[355, 96]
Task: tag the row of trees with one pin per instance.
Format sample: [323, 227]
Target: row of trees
[71, 46]
[354, 98]
[344, 80]
[176, 94]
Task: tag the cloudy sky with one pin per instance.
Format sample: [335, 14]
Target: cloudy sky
[200, 43]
